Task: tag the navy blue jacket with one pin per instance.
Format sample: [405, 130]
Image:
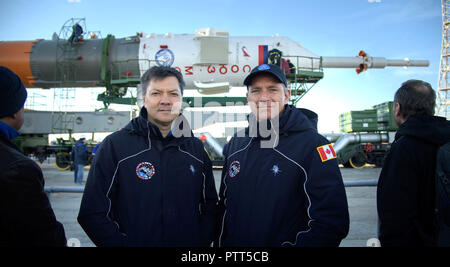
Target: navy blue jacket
[79, 154]
[284, 195]
[147, 190]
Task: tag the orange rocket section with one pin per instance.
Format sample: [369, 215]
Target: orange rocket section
[16, 56]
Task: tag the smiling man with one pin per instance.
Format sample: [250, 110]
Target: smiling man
[150, 184]
[287, 191]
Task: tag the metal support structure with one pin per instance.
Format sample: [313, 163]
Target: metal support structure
[348, 139]
[303, 79]
[443, 101]
[66, 55]
[67, 51]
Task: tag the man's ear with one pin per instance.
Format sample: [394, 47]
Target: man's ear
[287, 95]
[397, 109]
[14, 116]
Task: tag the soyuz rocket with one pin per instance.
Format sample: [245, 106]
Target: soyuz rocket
[210, 60]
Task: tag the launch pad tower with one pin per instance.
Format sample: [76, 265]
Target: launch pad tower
[443, 101]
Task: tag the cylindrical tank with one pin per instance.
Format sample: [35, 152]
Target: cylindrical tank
[16, 56]
[348, 139]
[57, 63]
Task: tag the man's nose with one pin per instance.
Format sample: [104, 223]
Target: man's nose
[264, 97]
[165, 99]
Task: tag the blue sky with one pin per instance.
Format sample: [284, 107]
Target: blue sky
[393, 29]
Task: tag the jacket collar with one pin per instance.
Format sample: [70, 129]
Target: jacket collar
[292, 119]
[142, 126]
[9, 142]
[8, 131]
[432, 129]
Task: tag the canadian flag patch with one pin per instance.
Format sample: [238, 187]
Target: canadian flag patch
[326, 152]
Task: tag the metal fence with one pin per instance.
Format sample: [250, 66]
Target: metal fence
[80, 189]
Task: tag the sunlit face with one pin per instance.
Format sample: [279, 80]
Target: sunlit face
[163, 100]
[267, 96]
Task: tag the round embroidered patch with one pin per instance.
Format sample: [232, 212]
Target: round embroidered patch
[264, 67]
[145, 170]
[235, 167]
[164, 57]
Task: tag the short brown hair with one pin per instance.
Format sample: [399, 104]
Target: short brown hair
[416, 97]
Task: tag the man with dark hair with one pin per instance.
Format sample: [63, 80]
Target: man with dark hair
[406, 187]
[281, 184]
[159, 74]
[27, 218]
[150, 185]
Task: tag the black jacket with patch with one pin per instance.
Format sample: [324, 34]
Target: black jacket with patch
[282, 194]
[147, 190]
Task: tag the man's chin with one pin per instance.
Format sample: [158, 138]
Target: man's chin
[164, 119]
[266, 115]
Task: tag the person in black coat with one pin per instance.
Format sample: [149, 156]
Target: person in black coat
[281, 184]
[27, 218]
[406, 187]
[151, 183]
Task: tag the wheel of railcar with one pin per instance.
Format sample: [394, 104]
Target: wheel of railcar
[62, 161]
[359, 160]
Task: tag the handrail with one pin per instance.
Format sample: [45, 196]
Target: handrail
[80, 189]
[298, 66]
[121, 69]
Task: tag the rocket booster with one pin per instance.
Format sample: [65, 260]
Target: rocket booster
[210, 60]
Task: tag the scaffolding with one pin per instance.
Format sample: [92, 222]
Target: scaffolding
[35, 101]
[443, 102]
[304, 78]
[63, 101]
[66, 57]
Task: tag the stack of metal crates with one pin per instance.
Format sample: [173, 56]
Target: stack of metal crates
[385, 116]
[358, 121]
[380, 118]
